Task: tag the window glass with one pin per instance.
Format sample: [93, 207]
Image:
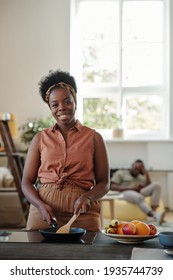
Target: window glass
[100, 112]
[99, 36]
[121, 64]
[142, 43]
[143, 112]
[142, 65]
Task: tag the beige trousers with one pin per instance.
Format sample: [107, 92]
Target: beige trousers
[153, 190]
[62, 202]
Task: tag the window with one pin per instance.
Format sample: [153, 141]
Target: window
[119, 58]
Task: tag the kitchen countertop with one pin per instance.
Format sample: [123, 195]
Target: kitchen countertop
[35, 247]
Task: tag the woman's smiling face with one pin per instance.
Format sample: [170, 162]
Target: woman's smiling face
[62, 106]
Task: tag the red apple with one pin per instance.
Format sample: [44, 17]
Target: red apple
[153, 229]
[129, 229]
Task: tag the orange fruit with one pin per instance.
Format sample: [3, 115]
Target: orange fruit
[120, 227]
[142, 229]
[135, 221]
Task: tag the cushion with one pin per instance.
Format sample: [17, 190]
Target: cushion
[6, 178]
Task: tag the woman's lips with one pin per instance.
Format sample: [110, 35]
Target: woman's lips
[64, 116]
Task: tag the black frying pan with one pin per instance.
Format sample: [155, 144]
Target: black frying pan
[51, 235]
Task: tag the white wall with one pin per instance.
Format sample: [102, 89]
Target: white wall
[157, 155]
[34, 38]
[171, 68]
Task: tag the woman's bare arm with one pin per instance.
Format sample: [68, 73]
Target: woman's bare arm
[102, 175]
[30, 174]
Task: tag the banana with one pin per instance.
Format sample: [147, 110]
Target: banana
[114, 223]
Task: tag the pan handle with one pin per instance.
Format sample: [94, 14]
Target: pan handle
[54, 223]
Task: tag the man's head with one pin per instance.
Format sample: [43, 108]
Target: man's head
[137, 168]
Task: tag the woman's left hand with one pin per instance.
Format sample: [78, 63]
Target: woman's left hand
[82, 204]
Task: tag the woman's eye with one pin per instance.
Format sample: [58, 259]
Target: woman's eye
[67, 102]
[54, 105]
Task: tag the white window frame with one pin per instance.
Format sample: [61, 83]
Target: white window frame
[109, 91]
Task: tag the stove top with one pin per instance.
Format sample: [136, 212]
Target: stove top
[36, 237]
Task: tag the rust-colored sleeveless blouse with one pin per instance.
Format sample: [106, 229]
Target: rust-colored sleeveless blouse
[70, 161]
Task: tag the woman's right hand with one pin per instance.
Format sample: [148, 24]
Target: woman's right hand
[46, 212]
[82, 204]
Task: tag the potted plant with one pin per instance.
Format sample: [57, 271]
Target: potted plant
[33, 126]
[117, 129]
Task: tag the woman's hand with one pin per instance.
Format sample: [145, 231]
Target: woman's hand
[82, 204]
[46, 212]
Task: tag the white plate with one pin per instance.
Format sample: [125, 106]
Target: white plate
[169, 251]
[129, 239]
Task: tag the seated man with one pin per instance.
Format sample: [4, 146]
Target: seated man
[135, 184]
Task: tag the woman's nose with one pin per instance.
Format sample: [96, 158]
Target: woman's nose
[61, 107]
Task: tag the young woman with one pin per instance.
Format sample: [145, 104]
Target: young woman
[70, 160]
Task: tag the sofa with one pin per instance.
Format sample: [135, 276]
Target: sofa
[123, 210]
[11, 214]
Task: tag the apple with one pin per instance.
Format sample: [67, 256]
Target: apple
[153, 229]
[129, 229]
[120, 227]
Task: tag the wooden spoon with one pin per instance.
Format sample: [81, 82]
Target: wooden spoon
[66, 227]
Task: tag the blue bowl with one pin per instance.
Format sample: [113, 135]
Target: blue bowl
[166, 239]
